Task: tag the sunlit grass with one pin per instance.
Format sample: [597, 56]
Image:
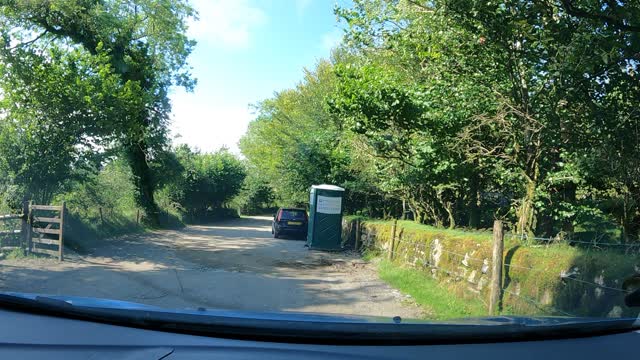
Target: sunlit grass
[438, 302]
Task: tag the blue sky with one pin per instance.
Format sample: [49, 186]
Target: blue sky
[247, 50]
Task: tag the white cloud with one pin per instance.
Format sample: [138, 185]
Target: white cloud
[301, 6]
[208, 124]
[229, 23]
[331, 39]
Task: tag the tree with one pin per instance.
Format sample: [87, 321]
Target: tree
[209, 181]
[51, 114]
[256, 194]
[145, 46]
[509, 93]
[293, 140]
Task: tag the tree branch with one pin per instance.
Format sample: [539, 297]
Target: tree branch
[608, 19]
[30, 41]
[424, 8]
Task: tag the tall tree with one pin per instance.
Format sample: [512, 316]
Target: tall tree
[145, 45]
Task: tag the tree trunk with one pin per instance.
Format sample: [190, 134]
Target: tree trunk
[448, 207]
[630, 221]
[143, 181]
[569, 191]
[473, 203]
[526, 211]
[418, 216]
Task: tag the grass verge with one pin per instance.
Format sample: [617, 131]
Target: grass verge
[438, 302]
[20, 254]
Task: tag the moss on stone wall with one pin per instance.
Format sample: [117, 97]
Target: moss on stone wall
[555, 279]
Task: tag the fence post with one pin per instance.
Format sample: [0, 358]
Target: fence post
[138, 217]
[28, 234]
[496, 271]
[357, 235]
[101, 218]
[61, 240]
[393, 238]
[24, 222]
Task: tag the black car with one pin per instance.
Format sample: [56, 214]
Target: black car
[290, 221]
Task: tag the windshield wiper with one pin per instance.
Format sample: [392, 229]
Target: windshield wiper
[498, 329]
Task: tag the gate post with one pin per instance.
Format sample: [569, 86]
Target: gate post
[60, 239]
[496, 272]
[29, 221]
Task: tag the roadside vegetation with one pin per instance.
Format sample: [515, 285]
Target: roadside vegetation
[84, 117]
[559, 278]
[435, 300]
[457, 113]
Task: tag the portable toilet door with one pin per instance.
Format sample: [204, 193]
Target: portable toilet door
[325, 217]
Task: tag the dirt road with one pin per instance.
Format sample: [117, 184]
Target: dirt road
[232, 265]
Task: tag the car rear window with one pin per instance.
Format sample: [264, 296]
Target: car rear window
[293, 215]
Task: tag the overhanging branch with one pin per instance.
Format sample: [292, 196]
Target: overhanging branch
[608, 19]
[30, 41]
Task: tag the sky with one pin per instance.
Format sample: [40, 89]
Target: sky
[247, 50]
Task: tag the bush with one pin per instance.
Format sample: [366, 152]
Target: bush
[102, 206]
[209, 181]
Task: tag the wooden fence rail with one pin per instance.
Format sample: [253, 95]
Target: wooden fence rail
[48, 230]
[42, 226]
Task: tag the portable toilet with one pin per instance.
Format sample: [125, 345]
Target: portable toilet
[325, 217]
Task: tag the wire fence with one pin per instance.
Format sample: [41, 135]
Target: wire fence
[566, 276]
[530, 301]
[534, 270]
[573, 241]
[537, 304]
[547, 300]
[538, 270]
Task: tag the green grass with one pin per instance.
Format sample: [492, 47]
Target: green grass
[19, 254]
[438, 302]
[370, 254]
[16, 253]
[480, 235]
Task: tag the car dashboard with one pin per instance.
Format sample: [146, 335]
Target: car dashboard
[33, 336]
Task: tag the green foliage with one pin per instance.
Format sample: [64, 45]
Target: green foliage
[460, 112]
[532, 274]
[101, 75]
[437, 302]
[100, 206]
[256, 196]
[15, 254]
[208, 182]
[291, 143]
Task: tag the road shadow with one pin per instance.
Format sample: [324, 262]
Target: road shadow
[508, 259]
[232, 265]
[592, 285]
[298, 237]
[188, 288]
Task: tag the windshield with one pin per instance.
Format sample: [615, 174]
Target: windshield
[293, 215]
[424, 159]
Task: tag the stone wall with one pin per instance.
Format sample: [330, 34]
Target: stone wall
[538, 280]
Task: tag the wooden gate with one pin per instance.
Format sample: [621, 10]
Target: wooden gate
[46, 233]
[41, 232]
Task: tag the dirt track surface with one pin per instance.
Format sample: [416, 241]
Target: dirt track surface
[233, 265]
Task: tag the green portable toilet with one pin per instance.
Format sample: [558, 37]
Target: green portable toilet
[325, 217]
